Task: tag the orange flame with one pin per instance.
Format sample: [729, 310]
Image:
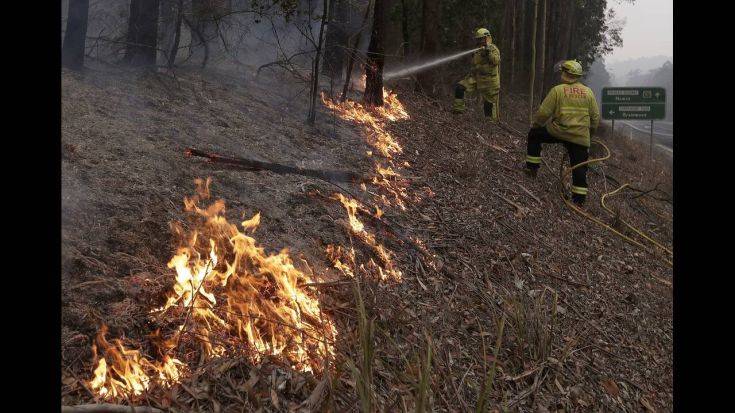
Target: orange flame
[375, 122]
[358, 228]
[264, 304]
[121, 372]
[378, 137]
[226, 287]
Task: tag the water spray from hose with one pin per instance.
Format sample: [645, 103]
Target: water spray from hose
[425, 65]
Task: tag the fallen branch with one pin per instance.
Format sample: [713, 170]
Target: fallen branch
[108, 408]
[253, 165]
[519, 209]
[326, 284]
[529, 193]
[548, 274]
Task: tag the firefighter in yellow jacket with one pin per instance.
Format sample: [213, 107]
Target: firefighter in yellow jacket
[484, 79]
[568, 115]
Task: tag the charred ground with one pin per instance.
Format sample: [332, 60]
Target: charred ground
[588, 317]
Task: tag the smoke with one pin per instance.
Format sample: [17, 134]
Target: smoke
[239, 35]
[418, 67]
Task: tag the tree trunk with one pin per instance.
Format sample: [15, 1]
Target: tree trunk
[429, 43]
[72, 52]
[334, 48]
[521, 27]
[566, 34]
[404, 29]
[315, 70]
[169, 30]
[166, 29]
[542, 60]
[204, 28]
[174, 50]
[570, 38]
[533, 60]
[507, 40]
[353, 53]
[142, 33]
[552, 32]
[375, 59]
[559, 27]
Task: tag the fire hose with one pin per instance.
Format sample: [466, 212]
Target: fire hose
[567, 172]
[563, 176]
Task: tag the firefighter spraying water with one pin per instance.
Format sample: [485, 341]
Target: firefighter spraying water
[484, 79]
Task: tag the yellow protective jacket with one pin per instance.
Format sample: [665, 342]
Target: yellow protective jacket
[569, 111]
[485, 68]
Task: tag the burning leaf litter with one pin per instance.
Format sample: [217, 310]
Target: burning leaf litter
[228, 292]
[473, 243]
[123, 372]
[374, 121]
[375, 124]
[388, 270]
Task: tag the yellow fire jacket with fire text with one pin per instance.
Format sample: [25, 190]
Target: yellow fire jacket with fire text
[569, 111]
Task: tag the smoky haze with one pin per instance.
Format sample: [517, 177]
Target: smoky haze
[239, 38]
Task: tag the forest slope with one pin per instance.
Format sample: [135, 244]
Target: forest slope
[470, 241]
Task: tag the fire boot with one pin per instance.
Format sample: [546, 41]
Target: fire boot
[530, 172]
[578, 199]
[579, 193]
[458, 106]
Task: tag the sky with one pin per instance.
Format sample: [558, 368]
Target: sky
[648, 29]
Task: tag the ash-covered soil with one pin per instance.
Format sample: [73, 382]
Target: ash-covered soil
[587, 316]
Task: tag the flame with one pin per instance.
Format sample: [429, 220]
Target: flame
[378, 212]
[343, 260]
[375, 123]
[392, 108]
[127, 372]
[373, 120]
[358, 228]
[263, 304]
[228, 292]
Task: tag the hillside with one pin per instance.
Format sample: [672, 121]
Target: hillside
[450, 246]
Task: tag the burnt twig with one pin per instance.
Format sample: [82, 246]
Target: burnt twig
[253, 165]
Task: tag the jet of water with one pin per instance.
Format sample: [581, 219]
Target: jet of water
[425, 65]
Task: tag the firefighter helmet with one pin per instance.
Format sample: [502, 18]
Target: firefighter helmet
[482, 32]
[572, 67]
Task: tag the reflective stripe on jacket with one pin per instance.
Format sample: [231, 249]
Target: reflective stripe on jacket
[570, 110]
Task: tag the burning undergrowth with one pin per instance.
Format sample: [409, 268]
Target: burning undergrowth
[229, 298]
[392, 187]
[375, 122]
[387, 268]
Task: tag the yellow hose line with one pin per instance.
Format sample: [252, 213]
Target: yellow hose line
[567, 172]
[634, 229]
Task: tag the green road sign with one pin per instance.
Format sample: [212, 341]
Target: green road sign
[633, 103]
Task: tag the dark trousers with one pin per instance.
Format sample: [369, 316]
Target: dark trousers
[577, 155]
[487, 107]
